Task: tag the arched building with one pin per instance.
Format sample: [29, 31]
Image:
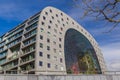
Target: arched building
[50, 42]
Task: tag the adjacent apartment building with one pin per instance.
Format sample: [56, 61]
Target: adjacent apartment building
[50, 43]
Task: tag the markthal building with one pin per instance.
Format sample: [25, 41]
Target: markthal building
[50, 43]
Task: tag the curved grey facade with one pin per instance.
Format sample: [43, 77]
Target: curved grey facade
[50, 42]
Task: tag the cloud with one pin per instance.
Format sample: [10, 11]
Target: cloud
[114, 65]
[111, 54]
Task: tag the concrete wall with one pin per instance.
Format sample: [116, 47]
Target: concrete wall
[68, 77]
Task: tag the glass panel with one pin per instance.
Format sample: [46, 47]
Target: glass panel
[80, 56]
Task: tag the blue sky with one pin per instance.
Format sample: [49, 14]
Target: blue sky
[13, 12]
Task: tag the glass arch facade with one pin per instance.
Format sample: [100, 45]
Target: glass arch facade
[80, 56]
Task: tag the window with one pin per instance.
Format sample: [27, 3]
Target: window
[40, 54]
[41, 37]
[49, 27]
[50, 21]
[50, 10]
[44, 18]
[48, 40]
[62, 19]
[41, 45]
[72, 22]
[42, 23]
[61, 60]
[46, 13]
[56, 15]
[67, 18]
[48, 56]
[60, 39]
[48, 65]
[60, 46]
[61, 29]
[63, 24]
[52, 17]
[61, 14]
[48, 47]
[42, 29]
[48, 32]
[40, 63]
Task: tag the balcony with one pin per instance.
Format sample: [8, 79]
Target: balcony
[31, 43]
[10, 65]
[13, 56]
[16, 32]
[27, 57]
[29, 61]
[33, 51]
[9, 41]
[28, 68]
[33, 20]
[2, 57]
[12, 44]
[30, 34]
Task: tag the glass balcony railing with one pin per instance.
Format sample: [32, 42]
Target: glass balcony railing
[33, 20]
[14, 37]
[34, 25]
[30, 33]
[10, 65]
[29, 41]
[28, 67]
[27, 58]
[28, 49]
[14, 43]
[2, 61]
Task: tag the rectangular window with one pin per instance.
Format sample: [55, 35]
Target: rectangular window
[41, 45]
[41, 37]
[40, 63]
[61, 60]
[48, 65]
[49, 27]
[60, 39]
[40, 54]
[48, 47]
[41, 29]
[48, 40]
[60, 46]
[42, 23]
[48, 56]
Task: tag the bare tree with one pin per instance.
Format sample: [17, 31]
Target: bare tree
[108, 10]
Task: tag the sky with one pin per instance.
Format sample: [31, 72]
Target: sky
[14, 12]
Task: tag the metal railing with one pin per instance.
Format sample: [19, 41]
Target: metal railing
[5, 72]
